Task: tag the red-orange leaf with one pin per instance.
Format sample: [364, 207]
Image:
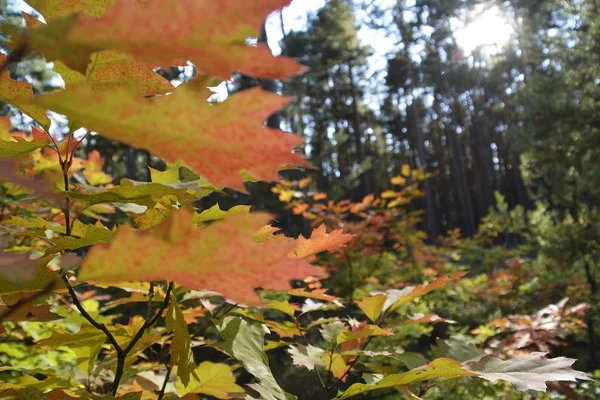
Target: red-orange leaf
[320, 241]
[220, 257]
[397, 298]
[212, 34]
[215, 140]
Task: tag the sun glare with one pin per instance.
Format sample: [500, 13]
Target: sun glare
[485, 29]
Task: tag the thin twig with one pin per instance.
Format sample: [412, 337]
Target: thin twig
[122, 355]
[161, 394]
[89, 318]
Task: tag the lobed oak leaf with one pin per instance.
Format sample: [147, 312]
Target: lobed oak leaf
[397, 298]
[53, 9]
[215, 213]
[526, 372]
[307, 356]
[220, 257]
[210, 34]
[20, 95]
[320, 241]
[217, 141]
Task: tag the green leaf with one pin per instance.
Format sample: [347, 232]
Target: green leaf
[456, 349]
[215, 213]
[212, 379]
[245, 342]
[307, 356]
[283, 306]
[90, 235]
[20, 147]
[142, 193]
[526, 372]
[181, 345]
[331, 330]
[442, 368]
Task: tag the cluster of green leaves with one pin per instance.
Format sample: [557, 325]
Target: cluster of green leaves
[179, 302]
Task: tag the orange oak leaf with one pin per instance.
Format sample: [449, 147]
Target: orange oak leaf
[212, 34]
[320, 241]
[53, 9]
[217, 141]
[220, 257]
[19, 94]
[399, 297]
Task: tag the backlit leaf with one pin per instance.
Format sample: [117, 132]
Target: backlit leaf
[210, 34]
[220, 257]
[320, 241]
[308, 357]
[526, 372]
[372, 306]
[362, 332]
[217, 141]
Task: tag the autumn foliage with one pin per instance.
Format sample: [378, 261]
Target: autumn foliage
[129, 319]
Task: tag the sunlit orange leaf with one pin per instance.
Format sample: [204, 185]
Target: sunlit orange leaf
[220, 257]
[319, 196]
[320, 241]
[209, 33]
[300, 208]
[397, 298]
[217, 141]
[398, 180]
[20, 95]
[93, 171]
[53, 9]
[302, 183]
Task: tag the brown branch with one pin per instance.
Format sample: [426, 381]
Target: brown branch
[89, 318]
[161, 394]
[122, 354]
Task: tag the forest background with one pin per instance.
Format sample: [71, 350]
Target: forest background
[480, 159]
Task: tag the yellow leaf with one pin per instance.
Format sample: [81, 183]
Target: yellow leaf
[212, 379]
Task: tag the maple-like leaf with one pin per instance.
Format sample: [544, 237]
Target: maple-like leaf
[217, 141]
[210, 34]
[220, 257]
[20, 95]
[320, 241]
[16, 145]
[308, 357]
[526, 372]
